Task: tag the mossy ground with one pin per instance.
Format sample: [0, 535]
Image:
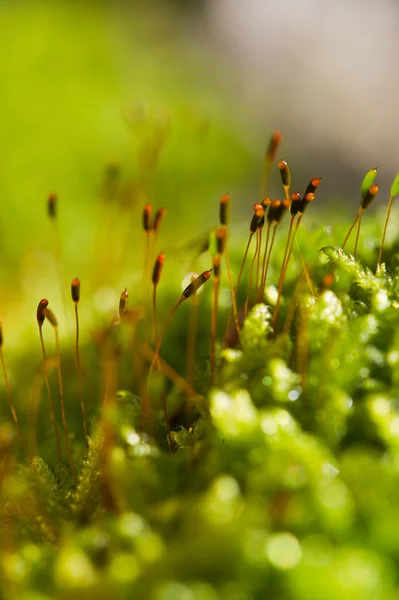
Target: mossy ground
[283, 480]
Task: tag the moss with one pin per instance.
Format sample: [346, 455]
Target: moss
[281, 479]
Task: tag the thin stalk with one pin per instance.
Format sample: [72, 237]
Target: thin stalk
[283, 272]
[385, 231]
[62, 401]
[268, 261]
[305, 270]
[216, 285]
[358, 232]
[155, 361]
[146, 272]
[80, 375]
[235, 291]
[158, 363]
[256, 253]
[347, 237]
[169, 372]
[50, 396]
[232, 290]
[350, 230]
[192, 338]
[259, 233]
[263, 277]
[291, 308]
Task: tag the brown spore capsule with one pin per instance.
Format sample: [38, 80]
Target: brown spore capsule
[123, 303]
[285, 173]
[75, 290]
[158, 266]
[216, 265]
[305, 201]
[295, 203]
[147, 217]
[274, 143]
[266, 203]
[40, 314]
[196, 284]
[313, 185]
[1, 332]
[259, 214]
[224, 210]
[50, 316]
[369, 196]
[52, 206]
[220, 240]
[272, 210]
[281, 210]
[159, 216]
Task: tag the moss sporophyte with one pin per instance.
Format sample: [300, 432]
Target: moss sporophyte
[234, 437]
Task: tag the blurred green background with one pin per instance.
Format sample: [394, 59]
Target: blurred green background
[89, 84]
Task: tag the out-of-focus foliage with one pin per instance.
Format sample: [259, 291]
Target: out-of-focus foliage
[88, 87]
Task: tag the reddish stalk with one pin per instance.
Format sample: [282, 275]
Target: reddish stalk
[385, 231]
[254, 258]
[75, 293]
[257, 217]
[297, 208]
[216, 284]
[51, 317]
[40, 320]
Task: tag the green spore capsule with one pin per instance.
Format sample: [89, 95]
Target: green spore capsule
[395, 186]
[367, 182]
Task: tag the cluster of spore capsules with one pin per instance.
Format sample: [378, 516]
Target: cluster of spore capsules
[268, 215]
